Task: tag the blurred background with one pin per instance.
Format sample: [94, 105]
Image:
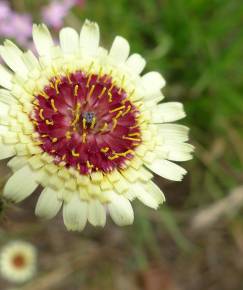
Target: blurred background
[195, 240]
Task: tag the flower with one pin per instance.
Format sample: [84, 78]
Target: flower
[55, 12]
[84, 124]
[18, 261]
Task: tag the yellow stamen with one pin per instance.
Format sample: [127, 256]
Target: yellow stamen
[131, 139]
[44, 135]
[68, 135]
[134, 134]
[91, 91]
[114, 123]
[64, 157]
[118, 115]
[53, 105]
[84, 137]
[36, 102]
[78, 166]
[127, 110]
[77, 115]
[54, 140]
[49, 122]
[68, 77]
[100, 73]
[113, 157]
[110, 97]
[44, 95]
[88, 82]
[133, 127]
[41, 114]
[105, 126]
[76, 90]
[105, 149]
[93, 123]
[57, 82]
[102, 92]
[89, 164]
[84, 124]
[117, 109]
[75, 154]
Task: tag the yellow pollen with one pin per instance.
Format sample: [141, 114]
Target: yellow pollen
[114, 123]
[134, 134]
[76, 90]
[77, 115]
[93, 123]
[88, 82]
[44, 95]
[68, 77]
[117, 109]
[105, 126]
[36, 102]
[68, 135]
[89, 164]
[56, 85]
[64, 157]
[49, 122]
[91, 91]
[44, 135]
[75, 154]
[110, 97]
[127, 110]
[102, 92]
[54, 140]
[53, 105]
[105, 149]
[41, 114]
[113, 157]
[84, 137]
[84, 124]
[131, 139]
[119, 114]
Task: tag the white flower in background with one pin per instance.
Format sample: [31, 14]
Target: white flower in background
[83, 123]
[18, 261]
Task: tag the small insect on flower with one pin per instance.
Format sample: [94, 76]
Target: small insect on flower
[18, 261]
[83, 123]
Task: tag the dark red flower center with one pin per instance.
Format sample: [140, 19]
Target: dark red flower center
[86, 121]
[18, 261]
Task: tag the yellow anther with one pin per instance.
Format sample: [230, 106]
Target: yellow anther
[105, 149]
[44, 95]
[68, 135]
[127, 110]
[112, 86]
[110, 97]
[75, 154]
[44, 135]
[91, 91]
[113, 157]
[76, 90]
[84, 124]
[53, 105]
[135, 126]
[68, 77]
[88, 82]
[36, 102]
[93, 123]
[119, 114]
[102, 93]
[105, 126]
[89, 164]
[54, 140]
[78, 166]
[131, 139]
[41, 114]
[57, 82]
[114, 123]
[84, 137]
[117, 109]
[134, 134]
[49, 122]
[64, 157]
[77, 115]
